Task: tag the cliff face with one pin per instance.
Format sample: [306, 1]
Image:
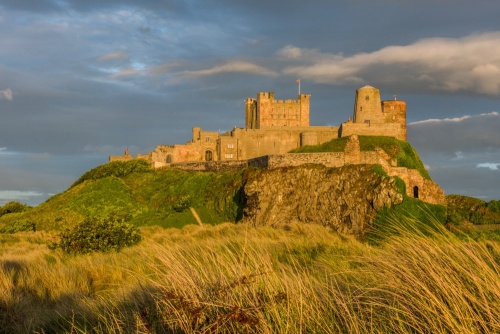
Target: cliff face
[345, 199]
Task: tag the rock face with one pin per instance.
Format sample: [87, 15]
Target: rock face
[345, 199]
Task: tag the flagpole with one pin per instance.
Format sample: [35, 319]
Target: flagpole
[298, 81]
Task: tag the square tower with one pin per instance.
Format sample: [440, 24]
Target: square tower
[266, 112]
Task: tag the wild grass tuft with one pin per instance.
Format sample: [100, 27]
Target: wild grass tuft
[240, 279]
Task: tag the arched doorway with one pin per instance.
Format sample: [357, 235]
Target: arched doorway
[208, 155]
[169, 159]
[415, 192]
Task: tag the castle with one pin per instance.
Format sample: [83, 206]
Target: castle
[279, 126]
[275, 127]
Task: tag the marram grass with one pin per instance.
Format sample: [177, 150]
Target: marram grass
[240, 279]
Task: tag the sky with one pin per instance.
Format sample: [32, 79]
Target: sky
[82, 80]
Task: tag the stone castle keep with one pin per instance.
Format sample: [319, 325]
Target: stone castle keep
[275, 127]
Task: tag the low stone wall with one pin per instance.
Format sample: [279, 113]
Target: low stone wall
[210, 166]
[330, 159]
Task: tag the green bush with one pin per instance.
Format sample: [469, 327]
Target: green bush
[98, 235]
[12, 207]
[18, 226]
[182, 203]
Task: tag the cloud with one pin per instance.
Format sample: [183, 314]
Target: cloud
[127, 72]
[17, 195]
[451, 120]
[468, 64]
[6, 94]
[113, 56]
[468, 134]
[231, 67]
[490, 165]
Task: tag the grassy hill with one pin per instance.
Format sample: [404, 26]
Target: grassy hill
[469, 210]
[133, 192]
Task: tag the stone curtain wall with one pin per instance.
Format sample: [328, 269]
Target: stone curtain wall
[211, 166]
[389, 130]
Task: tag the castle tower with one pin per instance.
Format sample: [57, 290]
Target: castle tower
[251, 113]
[394, 111]
[266, 112]
[367, 106]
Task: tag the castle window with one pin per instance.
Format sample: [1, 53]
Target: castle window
[360, 108]
[415, 192]
[228, 156]
[169, 159]
[367, 98]
[230, 145]
[208, 139]
[367, 121]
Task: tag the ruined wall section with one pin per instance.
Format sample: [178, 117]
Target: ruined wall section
[125, 157]
[426, 190]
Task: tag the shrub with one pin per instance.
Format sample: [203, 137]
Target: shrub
[18, 226]
[98, 235]
[12, 207]
[182, 203]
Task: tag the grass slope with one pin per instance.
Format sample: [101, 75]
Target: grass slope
[132, 192]
[464, 209]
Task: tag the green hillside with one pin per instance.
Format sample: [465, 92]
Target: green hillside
[464, 209]
[133, 192]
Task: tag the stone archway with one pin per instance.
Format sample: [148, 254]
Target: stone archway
[208, 155]
[415, 192]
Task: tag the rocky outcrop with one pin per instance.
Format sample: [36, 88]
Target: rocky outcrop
[345, 199]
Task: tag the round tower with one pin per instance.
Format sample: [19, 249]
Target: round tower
[367, 106]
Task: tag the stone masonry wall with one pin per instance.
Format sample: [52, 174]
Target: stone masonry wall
[389, 130]
[211, 166]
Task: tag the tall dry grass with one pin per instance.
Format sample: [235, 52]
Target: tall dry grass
[236, 278]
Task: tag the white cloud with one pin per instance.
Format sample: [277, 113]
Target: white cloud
[17, 195]
[490, 165]
[451, 120]
[471, 64]
[231, 67]
[6, 94]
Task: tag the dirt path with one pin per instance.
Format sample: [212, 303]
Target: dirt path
[195, 215]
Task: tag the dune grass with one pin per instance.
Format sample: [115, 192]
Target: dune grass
[234, 278]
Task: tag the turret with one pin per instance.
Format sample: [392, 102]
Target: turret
[367, 106]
